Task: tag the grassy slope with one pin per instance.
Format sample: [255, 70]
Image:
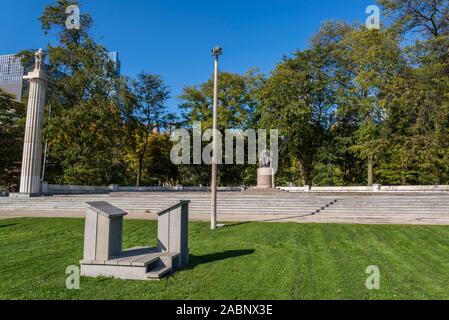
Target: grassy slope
[246, 261]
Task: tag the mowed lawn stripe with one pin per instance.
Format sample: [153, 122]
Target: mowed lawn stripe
[240, 261]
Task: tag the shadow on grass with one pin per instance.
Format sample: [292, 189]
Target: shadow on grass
[195, 261]
[236, 224]
[8, 225]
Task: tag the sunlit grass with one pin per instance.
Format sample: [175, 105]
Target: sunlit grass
[242, 261]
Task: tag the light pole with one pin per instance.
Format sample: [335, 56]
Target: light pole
[216, 52]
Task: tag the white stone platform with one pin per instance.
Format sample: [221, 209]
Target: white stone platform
[139, 263]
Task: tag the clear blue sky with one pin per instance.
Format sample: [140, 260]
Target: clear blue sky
[173, 38]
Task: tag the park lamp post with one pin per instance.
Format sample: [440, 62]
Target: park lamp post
[216, 52]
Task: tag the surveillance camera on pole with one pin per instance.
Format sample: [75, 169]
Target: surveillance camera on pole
[216, 52]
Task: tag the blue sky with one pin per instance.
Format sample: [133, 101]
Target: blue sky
[173, 38]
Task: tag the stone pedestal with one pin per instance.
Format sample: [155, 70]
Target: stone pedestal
[265, 178]
[172, 231]
[30, 180]
[103, 232]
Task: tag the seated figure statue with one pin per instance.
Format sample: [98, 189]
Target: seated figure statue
[265, 159]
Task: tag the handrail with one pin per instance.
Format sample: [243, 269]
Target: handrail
[173, 207]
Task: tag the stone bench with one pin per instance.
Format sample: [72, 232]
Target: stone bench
[103, 255]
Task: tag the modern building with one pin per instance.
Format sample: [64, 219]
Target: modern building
[11, 75]
[12, 72]
[113, 56]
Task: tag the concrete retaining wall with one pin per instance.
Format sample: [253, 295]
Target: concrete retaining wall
[52, 189]
[364, 189]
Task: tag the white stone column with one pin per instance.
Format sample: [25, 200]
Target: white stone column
[30, 180]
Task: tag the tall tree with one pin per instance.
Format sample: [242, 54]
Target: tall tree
[371, 59]
[236, 101]
[297, 99]
[427, 17]
[86, 128]
[150, 114]
[236, 110]
[418, 109]
[12, 121]
[417, 99]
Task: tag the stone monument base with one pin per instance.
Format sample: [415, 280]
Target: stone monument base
[265, 178]
[28, 195]
[103, 235]
[134, 264]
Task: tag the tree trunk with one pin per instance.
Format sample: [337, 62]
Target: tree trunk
[302, 175]
[141, 157]
[139, 171]
[370, 171]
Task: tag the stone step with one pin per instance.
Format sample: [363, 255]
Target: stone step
[163, 202]
[384, 212]
[158, 272]
[253, 210]
[392, 204]
[429, 206]
[246, 207]
[234, 205]
[230, 198]
[227, 196]
[138, 263]
[149, 205]
[157, 207]
[246, 203]
[224, 203]
[194, 205]
[136, 260]
[257, 203]
[391, 201]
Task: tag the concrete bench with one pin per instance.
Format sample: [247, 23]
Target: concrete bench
[103, 255]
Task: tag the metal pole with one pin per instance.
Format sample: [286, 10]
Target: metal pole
[214, 150]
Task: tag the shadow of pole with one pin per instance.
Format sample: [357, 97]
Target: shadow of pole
[208, 258]
[8, 225]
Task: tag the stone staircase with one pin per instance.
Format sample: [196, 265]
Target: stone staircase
[421, 209]
[239, 203]
[261, 206]
[387, 204]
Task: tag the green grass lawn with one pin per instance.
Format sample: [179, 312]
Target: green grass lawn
[244, 261]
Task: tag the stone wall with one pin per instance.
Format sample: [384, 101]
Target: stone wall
[364, 189]
[52, 189]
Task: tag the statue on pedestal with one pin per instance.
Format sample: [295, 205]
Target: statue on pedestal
[30, 179]
[265, 173]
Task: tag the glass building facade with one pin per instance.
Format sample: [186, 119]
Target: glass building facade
[113, 56]
[12, 72]
[11, 75]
